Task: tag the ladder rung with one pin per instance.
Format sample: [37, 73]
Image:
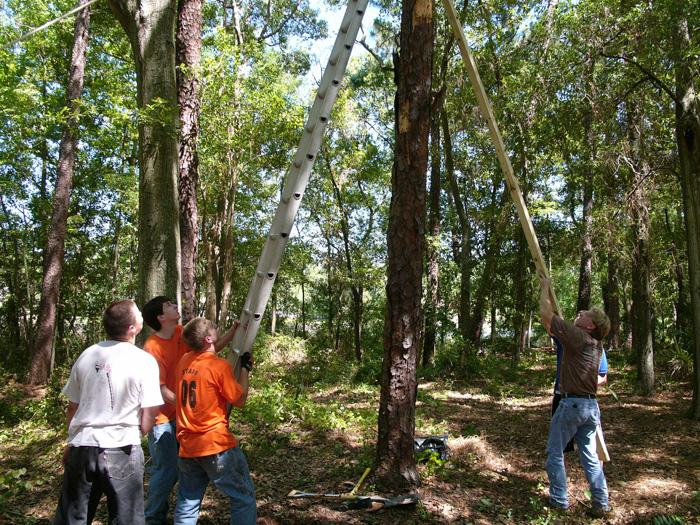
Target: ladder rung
[334, 58]
[273, 236]
[270, 275]
[260, 273]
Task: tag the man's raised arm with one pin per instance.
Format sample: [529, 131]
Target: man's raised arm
[546, 307]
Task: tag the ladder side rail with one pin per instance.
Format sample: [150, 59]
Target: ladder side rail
[297, 180]
[497, 139]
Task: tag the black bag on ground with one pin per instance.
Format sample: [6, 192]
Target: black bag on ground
[437, 444]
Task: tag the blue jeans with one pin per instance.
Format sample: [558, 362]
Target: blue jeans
[228, 470]
[575, 418]
[91, 472]
[162, 444]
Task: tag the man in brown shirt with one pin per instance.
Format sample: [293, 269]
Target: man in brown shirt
[577, 415]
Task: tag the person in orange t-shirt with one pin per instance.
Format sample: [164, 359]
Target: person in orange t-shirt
[167, 347]
[208, 450]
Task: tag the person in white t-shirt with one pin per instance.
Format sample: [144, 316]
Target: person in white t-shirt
[113, 398]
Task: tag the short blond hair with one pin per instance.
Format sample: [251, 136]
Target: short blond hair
[195, 332]
[601, 322]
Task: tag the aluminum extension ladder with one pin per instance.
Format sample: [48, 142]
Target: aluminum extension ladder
[271, 257]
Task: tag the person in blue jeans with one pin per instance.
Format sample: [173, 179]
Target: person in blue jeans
[578, 413]
[556, 397]
[209, 452]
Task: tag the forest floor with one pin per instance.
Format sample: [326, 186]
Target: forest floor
[315, 437]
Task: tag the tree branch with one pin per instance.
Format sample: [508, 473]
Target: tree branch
[653, 78]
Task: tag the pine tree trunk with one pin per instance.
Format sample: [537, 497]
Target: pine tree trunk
[150, 26]
[53, 256]
[189, 55]
[395, 464]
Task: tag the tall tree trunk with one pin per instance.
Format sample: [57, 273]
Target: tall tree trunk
[395, 464]
[611, 299]
[519, 319]
[433, 247]
[226, 249]
[584, 280]
[150, 26]
[189, 57]
[688, 140]
[486, 288]
[210, 242]
[53, 257]
[355, 285]
[465, 248]
[642, 344]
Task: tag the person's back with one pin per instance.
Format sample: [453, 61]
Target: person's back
[109, 394]
[208, 450]
[113, 400]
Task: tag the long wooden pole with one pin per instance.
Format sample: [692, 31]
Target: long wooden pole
[511, 180]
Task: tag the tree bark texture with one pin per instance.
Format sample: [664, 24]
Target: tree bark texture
[688, 140]
[642, 332]
[189, 58]
[395, 464]
[53, 256]
[150, 26]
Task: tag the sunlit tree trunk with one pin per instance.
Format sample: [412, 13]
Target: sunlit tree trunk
[53, 256]
[395, 464]
[189, 55]
[150, 26]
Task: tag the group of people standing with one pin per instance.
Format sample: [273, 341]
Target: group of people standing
[177, 392]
